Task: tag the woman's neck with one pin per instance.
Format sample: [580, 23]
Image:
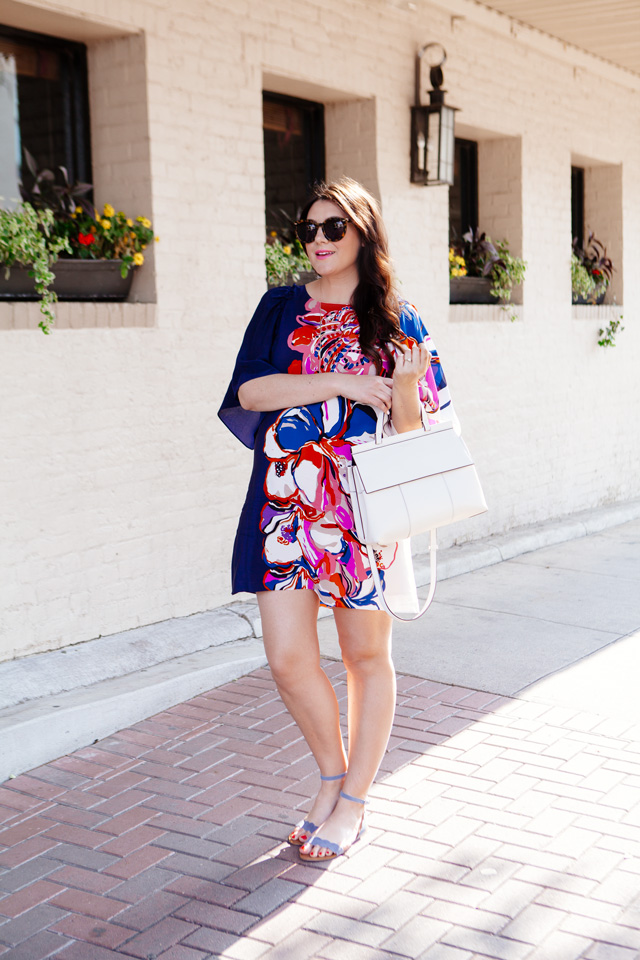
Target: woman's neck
[336, 290]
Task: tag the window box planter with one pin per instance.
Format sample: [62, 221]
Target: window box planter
[470, 290]
[75, 280]
[578, 300]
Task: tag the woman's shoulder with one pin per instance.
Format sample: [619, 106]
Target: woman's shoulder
[275, 300]
[277, 294]
[274, 294]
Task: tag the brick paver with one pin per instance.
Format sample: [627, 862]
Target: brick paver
[499, 828]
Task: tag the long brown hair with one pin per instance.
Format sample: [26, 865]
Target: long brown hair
[374, 300]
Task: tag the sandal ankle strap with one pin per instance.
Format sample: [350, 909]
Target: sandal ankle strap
[339, 776]
[347, 796]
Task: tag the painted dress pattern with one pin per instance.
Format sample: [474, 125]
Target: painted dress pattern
[306, 521]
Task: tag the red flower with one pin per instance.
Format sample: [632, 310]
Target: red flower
[596, 273]
[85, 239]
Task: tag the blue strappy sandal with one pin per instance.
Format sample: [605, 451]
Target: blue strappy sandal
[307, 824]
[335, 850]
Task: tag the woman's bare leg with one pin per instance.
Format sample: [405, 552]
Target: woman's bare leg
[365, 641]
[289, 629]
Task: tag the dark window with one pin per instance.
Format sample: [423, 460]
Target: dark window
[293, 155]
[44, 106]
[463, 195]
[577, 204]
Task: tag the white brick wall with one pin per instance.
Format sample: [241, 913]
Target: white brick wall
[350, 142]
[120, 488]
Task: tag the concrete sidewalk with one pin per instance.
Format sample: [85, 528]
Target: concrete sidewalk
[505, 820]
[558, 625]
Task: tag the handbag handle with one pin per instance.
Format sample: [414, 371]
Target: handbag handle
[433, 546]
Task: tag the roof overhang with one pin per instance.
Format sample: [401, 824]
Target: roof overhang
[609, 29]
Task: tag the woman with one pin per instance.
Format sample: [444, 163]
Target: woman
[316, 365]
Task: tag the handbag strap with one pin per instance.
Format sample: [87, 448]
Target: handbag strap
[432, 581]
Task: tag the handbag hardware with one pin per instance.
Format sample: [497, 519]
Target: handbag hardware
[409, 483]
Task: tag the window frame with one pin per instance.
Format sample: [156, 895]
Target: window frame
[77, 119]
[577, 204]
[466, 160]
[313, 134]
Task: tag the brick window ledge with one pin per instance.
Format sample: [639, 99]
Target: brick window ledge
[76, 315]
[596, 311]
[482, 312]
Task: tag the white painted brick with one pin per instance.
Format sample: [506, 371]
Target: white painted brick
[121, 490]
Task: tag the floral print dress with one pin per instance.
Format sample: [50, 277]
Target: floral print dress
[296, 528]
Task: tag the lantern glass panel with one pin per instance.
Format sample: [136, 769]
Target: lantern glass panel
[447, 145]
[433, 147]
[419, 121]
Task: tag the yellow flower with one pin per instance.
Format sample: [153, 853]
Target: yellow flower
[106, 224]
[274, 233]
[144, 246]
[108, 211]
[129, 223]
[73, 216]
[286, 250]
[143, 220]
[138, 259]
[156, 239]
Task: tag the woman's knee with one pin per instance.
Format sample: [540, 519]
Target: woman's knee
[285, 665]
[365, 653]
[291, 664]
[290, 634]
[365, 638]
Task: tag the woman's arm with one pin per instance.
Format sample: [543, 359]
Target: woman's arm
[281, 390]
[411, 366]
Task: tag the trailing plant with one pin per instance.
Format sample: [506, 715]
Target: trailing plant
[608, 334]
[284, 260]
[507, 272]
[591, 270]
[27, 238]
[582, 283]
[478, 256]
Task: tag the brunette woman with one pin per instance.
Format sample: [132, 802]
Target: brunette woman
[316, 366]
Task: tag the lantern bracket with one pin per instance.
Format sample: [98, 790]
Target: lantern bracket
[435, 74]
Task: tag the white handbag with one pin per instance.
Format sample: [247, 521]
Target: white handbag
[407, 484]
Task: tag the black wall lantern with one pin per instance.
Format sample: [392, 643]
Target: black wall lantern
[432, 128]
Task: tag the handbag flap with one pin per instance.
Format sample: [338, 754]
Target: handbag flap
[409, 456]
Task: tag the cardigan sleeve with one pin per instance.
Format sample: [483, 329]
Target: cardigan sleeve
[254, 360]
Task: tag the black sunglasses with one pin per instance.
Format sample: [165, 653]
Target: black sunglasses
[333, 229]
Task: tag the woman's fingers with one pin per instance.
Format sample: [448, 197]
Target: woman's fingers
[412, 360]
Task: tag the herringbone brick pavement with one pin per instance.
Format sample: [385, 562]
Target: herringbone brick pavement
[499, 828]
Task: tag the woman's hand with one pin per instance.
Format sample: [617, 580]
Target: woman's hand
[411, 365]
[370, 390]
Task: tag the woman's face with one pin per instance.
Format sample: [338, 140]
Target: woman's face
[336, 258]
